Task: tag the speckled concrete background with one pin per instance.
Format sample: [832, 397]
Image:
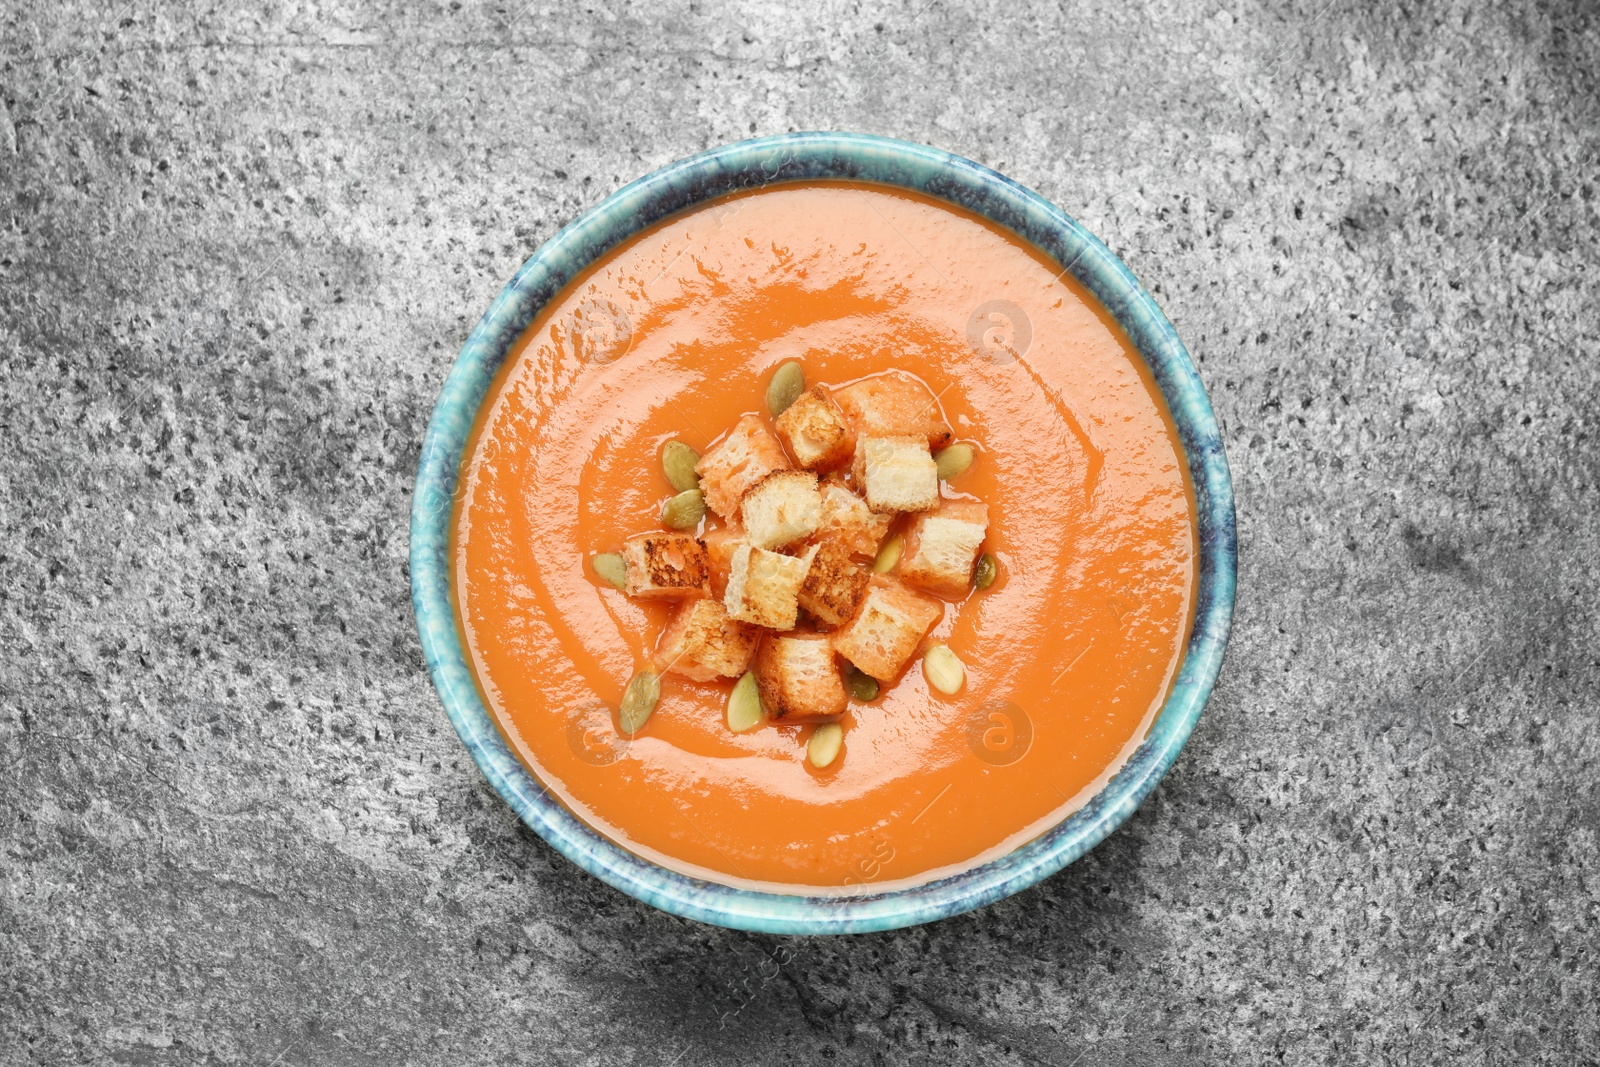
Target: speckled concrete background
[237, 254]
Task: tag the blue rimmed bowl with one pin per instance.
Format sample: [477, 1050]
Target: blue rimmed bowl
[796, 157]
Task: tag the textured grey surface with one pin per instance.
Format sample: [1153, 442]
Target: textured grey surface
[237, 253]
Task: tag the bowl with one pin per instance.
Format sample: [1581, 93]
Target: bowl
[681, 185]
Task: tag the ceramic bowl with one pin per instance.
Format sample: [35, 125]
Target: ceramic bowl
[681, 185]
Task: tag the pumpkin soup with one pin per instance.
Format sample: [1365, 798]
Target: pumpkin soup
[825, 536]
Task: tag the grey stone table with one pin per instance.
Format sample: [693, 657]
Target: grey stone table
[237, 254]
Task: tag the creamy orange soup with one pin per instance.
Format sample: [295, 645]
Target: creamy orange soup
[674, 335]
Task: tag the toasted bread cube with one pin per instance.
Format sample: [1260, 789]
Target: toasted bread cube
[834, 585]
[814, 430]
[748, 454]
[887, 628]
[764, 587]
[665, 566]
[894, 405]
[781, 509]
[847, 519]
[720, 544]
[799, 678]
[942, 546]
[702, 643]
[896, 474]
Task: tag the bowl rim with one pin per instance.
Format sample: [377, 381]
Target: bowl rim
[751, 164]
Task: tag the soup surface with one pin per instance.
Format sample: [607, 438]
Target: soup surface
[674, 335]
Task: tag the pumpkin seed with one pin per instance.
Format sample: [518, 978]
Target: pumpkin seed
[744, 704]
[954, 460]
[863, 686]
[684, 511]
[825, 743]
[987, 570]
[785, 388]
[611, 567]
[889, 555]
[639, 700]
[677, 462]
[945, 672]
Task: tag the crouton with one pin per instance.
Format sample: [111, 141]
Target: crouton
[834, 585]
[720, 544]
[799, 678]
[942, 546]
[702, 643]
[665, 566]
[781, 509]
[887, 628]
[847, 519]
[748, 454]
[814, 430]
[894, 405]
[764, 587]
[896, 474]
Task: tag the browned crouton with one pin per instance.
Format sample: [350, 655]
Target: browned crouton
[702, 643]
[815, 432]
[764, 587]
[942, 546]
[720, 544]
[799, 678]
[748, 454]
[665, 566]
[894, 405]
[834, 585]
[784, 507]
[847, 519]
[896, 474]
[887, 628]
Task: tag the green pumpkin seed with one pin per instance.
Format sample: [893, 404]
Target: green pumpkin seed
[825, 743]
[944, 671]
[639, 700]
[987, 570]
[684, 511]
[953, 461]
[744, 704]
[677, 462]
[889, 555]
[785, 388]
[863, 686]
[610, 566]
